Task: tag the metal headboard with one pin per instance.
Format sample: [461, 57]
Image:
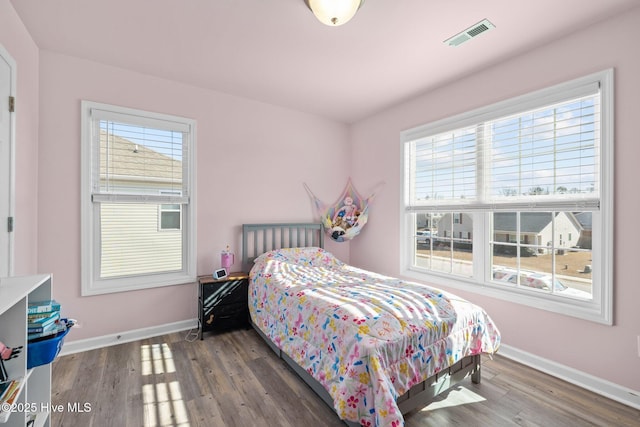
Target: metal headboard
[260, 238]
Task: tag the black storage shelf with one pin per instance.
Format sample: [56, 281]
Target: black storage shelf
[223, 303]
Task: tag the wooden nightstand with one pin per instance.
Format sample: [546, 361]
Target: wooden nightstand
[223, 304]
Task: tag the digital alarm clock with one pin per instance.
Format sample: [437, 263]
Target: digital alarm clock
[220, 273]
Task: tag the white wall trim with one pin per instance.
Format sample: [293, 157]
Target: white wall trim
[126, 336]
[589, 382]
[8, 268]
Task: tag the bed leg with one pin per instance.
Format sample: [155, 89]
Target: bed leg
[475, 374]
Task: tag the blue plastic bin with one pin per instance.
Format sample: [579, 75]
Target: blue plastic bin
[45, 351]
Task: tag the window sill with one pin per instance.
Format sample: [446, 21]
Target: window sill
[593, 310]
[108, 286]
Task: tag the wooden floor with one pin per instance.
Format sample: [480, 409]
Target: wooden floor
[234, 379]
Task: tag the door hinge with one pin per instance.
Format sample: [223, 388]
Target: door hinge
[10, 224]
[12, 104]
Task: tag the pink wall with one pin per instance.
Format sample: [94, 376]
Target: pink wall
[17, 41]
[255, 155]
[610, 353]
[257, 148]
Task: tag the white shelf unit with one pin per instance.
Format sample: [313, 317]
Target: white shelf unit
[15, 295]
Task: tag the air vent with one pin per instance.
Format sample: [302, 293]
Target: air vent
[474, 31]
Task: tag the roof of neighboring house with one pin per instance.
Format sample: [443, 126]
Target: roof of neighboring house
[584, 218]
[530, 222]
[134, 162]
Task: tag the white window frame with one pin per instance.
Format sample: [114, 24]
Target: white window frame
[90, 212]
[600, 308]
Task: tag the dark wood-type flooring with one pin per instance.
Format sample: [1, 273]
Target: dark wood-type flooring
[234, 379]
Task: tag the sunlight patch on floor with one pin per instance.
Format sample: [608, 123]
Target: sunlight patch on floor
[163, 404]
[156, 359]
[455, 397]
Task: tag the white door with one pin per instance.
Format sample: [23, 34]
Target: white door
[7, 85]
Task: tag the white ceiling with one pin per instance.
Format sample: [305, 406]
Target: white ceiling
[276, 51]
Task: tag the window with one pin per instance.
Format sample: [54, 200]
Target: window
[170, 217]
[504, 190]
[138, 207]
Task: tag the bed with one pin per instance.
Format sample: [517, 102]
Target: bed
[372, 347]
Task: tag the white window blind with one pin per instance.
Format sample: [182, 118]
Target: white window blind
[136, 162]
[543, 158]
[445, 168]
[549, 154]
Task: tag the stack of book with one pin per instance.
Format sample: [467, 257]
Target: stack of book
[9, 390]
[43, 319]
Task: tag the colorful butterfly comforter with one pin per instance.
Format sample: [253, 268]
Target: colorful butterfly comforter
[365, 337]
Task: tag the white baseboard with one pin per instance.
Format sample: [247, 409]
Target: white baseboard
[126, 336]
[597, 385]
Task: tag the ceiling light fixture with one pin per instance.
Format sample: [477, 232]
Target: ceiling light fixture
[334, 12]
